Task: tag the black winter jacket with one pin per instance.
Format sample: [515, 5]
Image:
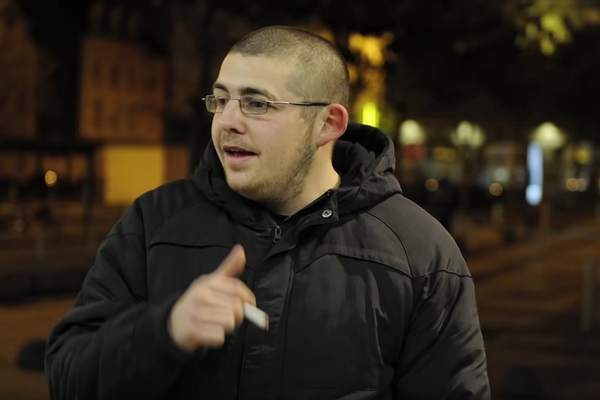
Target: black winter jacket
[368, 296]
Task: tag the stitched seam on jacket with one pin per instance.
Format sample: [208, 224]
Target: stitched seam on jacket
[399, 239]
[447, 272]
[409, 260]
[312, 260]
[122, 234]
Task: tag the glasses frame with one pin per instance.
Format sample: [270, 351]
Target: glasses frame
[269, 103]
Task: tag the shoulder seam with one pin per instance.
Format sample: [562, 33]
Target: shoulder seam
[446, 271]
[399, 239]
[124, 234]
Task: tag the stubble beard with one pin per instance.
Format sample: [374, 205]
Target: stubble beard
[279, 186]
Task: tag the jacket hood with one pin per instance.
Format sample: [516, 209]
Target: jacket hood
[363, 156]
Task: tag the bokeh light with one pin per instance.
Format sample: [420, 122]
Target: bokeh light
[432, 185]
[496, 189]
[572, 184]
[51, 178]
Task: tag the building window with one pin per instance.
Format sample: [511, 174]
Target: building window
[150, 84]
[97, 72]
[133, 27]
[115, 76]
[96, 12]
[116, 118]
[97, 114]
[116, 15]
[24, 105]
[150, 81]
[11, 16]
[130, 79]
[131, 118]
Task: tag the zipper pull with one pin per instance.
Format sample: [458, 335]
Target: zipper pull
[277, 236]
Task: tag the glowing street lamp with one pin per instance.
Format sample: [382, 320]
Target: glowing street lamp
[549, 137]
[411, 137]
[411, 133]
[468, 135]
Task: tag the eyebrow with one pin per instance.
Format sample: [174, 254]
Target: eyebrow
[246, 90]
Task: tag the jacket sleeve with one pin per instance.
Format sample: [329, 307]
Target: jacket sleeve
[443, 356]
[114, 344]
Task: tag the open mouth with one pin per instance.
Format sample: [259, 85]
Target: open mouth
[237, 152]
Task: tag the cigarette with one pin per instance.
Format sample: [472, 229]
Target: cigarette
[256, 316]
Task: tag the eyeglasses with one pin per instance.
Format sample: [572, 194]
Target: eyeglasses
[251, 105]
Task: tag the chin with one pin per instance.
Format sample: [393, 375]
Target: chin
[251, 191]
[241, 185]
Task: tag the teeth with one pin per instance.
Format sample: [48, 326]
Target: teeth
[238, 152]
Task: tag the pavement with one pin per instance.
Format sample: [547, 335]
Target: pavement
[55, 259]
[529, 297]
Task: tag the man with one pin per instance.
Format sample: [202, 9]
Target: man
[298, 213]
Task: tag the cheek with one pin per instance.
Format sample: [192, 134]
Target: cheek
[214, 129]
[282, 147]
[280, 143]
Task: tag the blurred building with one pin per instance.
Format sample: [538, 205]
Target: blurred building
[122, 92]
[19, 74]
[123, 96]
[185, 68]
[96, 76]
[40, 44]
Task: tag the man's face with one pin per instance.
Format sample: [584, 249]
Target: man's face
[278, 147]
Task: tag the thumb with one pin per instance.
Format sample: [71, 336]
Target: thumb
[234, 264]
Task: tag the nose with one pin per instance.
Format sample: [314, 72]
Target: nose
[232, 117]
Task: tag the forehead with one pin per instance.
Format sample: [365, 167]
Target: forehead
[269, 74]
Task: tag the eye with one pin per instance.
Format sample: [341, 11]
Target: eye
[254, 103]
[222, 101]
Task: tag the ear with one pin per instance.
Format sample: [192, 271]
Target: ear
[333, 124]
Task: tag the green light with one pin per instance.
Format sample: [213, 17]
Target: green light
[370, 115]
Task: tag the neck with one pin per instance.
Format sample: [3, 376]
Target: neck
[316, 184]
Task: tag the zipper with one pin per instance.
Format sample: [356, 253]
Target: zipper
[241, 373]
[286, 307]
[277, 236]
[278, 227]
[286, 310]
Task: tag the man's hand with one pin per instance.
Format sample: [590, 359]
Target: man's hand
[212, 306]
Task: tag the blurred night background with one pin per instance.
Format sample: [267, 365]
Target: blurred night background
[493, 106]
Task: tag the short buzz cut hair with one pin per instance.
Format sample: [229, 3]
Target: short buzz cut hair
[321, 70]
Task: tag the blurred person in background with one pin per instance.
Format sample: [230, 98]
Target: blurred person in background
[443, 203]
[293, 210]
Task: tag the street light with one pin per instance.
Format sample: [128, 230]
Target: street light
[411, 133]
[411, 137]
[468, 138]
[550, 138]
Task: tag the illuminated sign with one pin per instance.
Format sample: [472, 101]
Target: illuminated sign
[535, 167]
[370, 115]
